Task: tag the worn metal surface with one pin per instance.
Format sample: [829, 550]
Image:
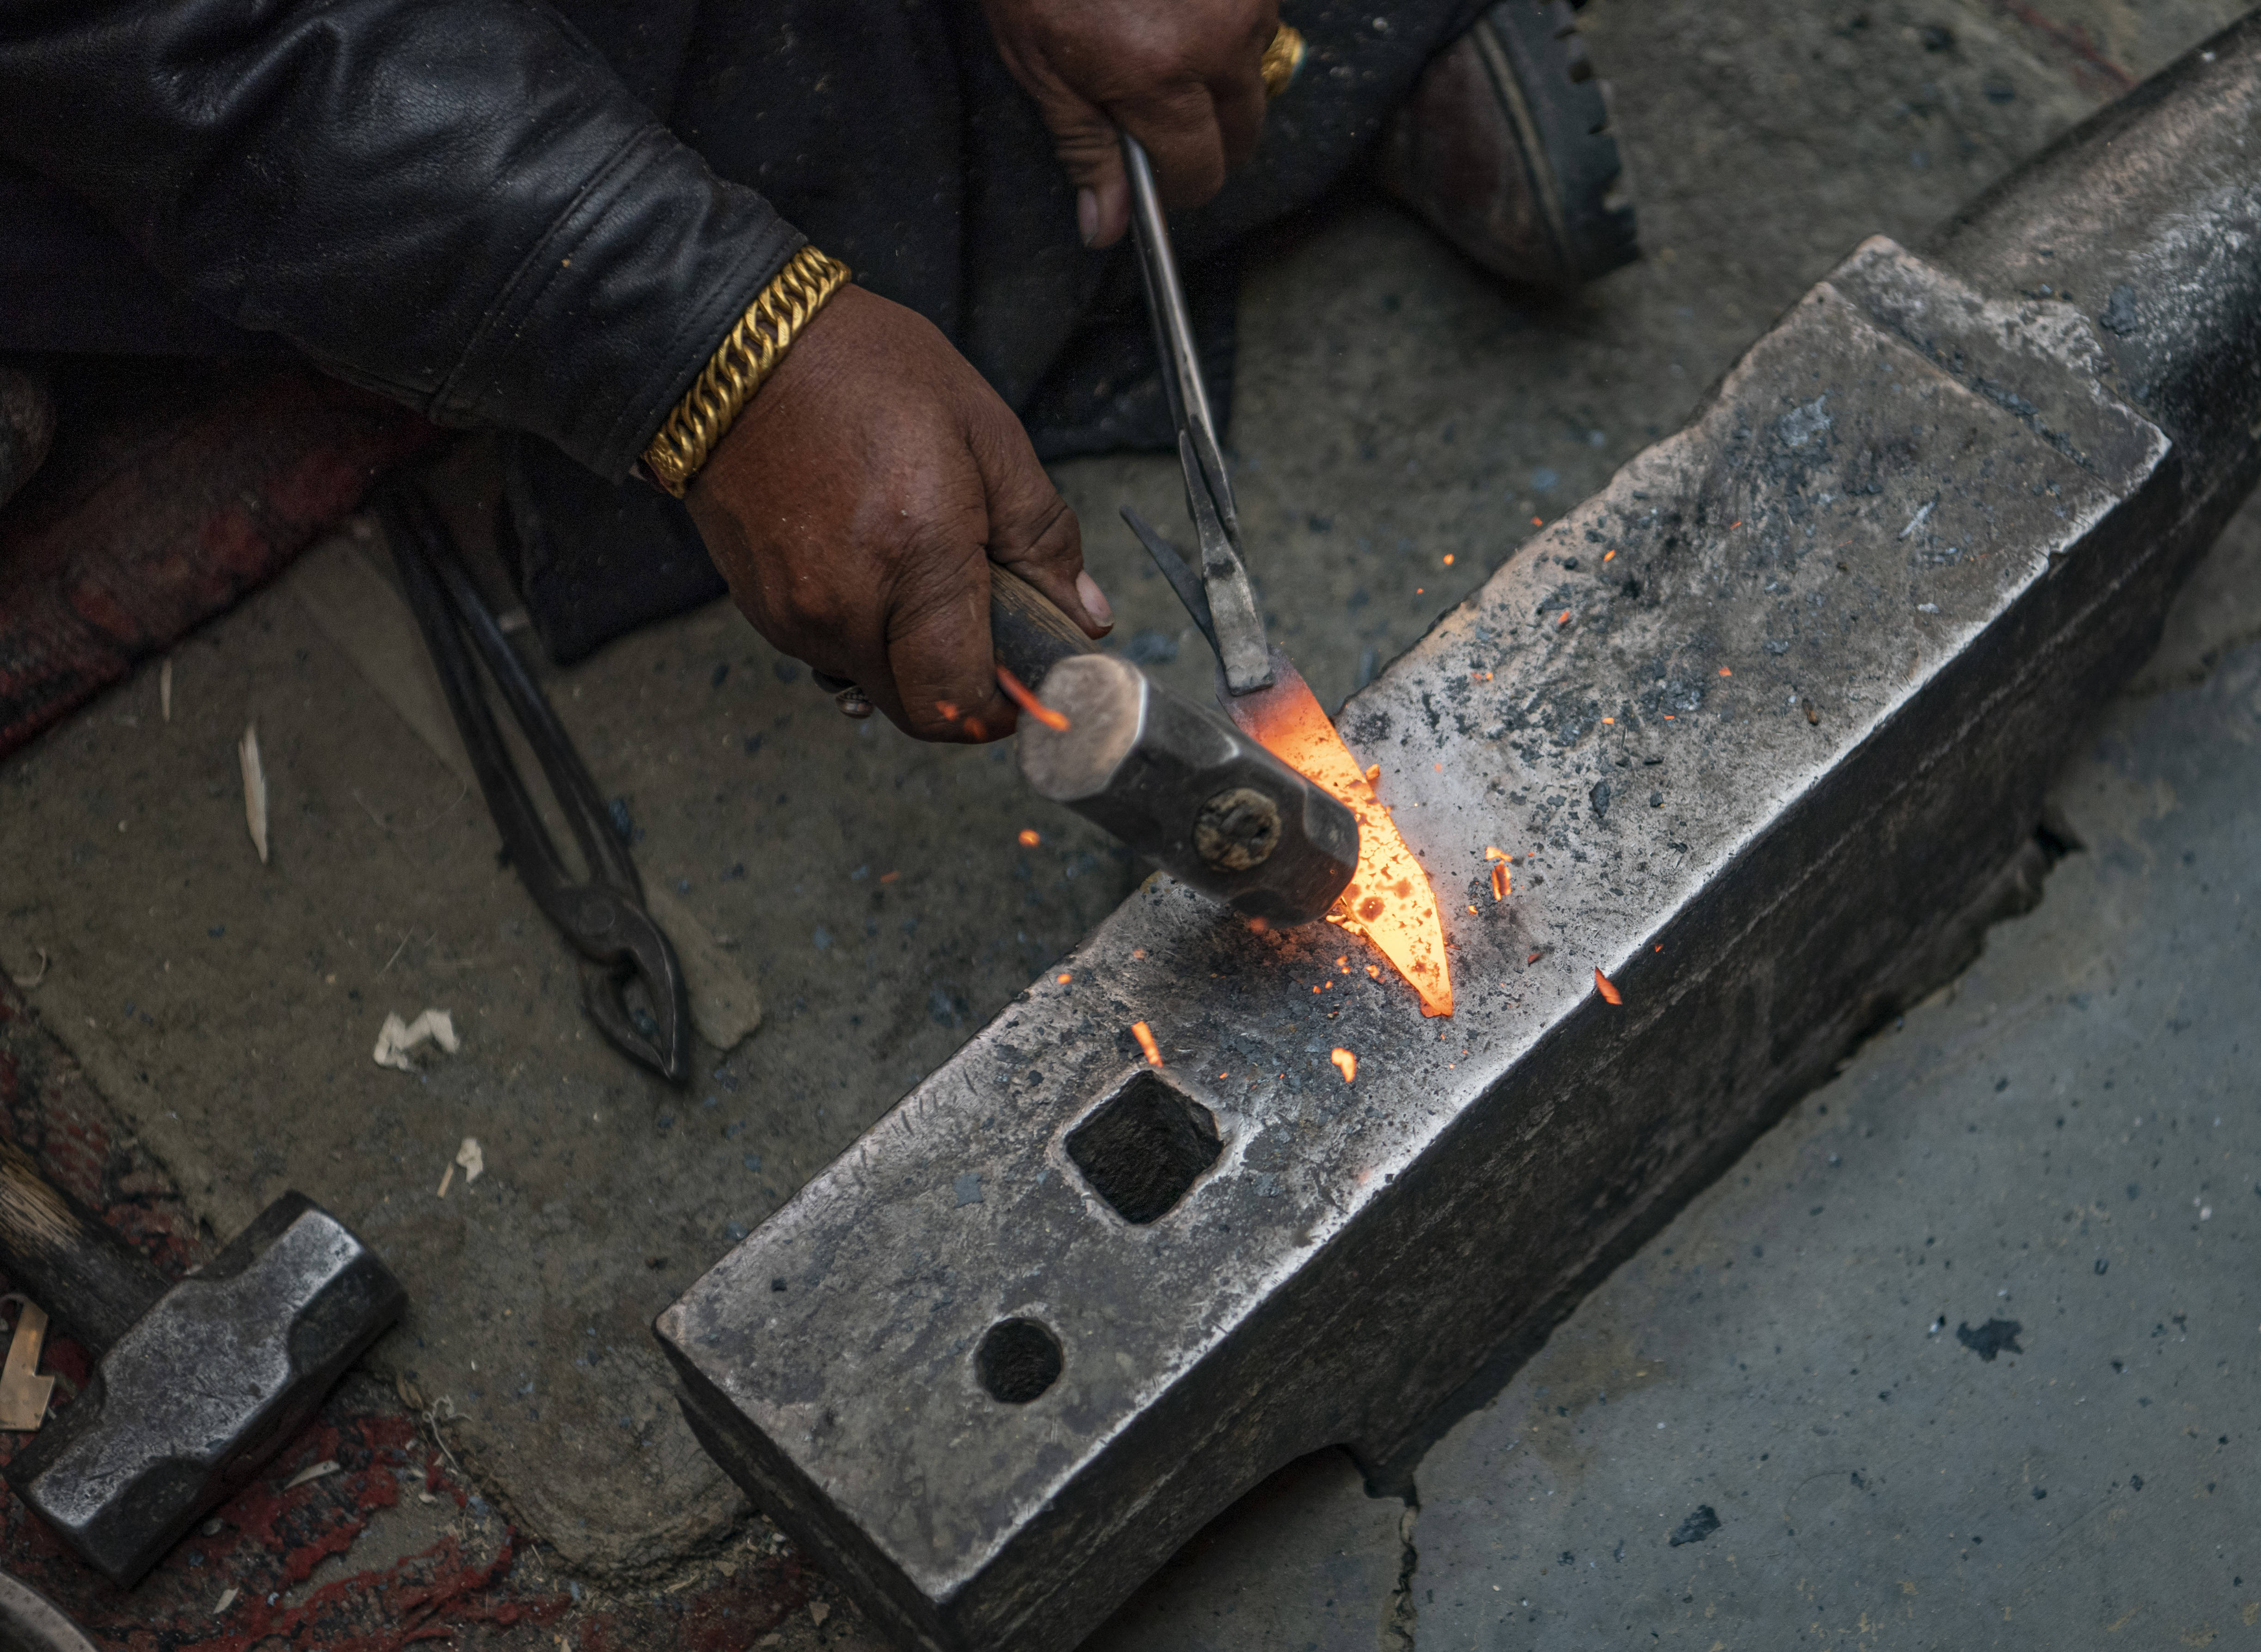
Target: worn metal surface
[1765, 716]
[198, 1393]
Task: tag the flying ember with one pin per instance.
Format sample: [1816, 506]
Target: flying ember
[1144, 1034]
[1019, 693]
[1346, 1063]
[1389, 900]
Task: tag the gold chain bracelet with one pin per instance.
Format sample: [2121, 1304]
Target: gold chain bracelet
[1283, 60]
[749, 355]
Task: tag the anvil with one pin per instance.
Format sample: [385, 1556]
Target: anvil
[1775, 710]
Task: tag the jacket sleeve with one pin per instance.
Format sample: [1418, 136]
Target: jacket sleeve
[455, 202]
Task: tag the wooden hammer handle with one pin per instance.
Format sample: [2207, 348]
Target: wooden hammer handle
[1026, 632]
[68, 1259]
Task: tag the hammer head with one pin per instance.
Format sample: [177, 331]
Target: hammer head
[205, 1386]
[1181, 784]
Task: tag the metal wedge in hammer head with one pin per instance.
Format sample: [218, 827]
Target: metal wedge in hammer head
[195, 1384]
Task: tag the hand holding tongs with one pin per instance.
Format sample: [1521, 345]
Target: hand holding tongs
[1221, 600]
[603, 917]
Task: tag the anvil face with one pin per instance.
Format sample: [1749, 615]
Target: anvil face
[1759, 723]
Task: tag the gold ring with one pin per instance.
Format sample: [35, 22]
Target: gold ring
[1281, 60]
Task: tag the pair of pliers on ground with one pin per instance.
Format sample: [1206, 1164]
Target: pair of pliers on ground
[603, 915]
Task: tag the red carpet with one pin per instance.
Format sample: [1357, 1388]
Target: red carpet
[173, 491]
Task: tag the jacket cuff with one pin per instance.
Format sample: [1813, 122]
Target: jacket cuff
[617, 309]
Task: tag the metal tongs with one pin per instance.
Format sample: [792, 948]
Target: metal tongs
[1220, 599]
[604, 916]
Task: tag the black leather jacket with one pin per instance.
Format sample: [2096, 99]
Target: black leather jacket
[544, 215]
[467, 204]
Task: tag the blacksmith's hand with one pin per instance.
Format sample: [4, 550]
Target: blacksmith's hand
[1183, 76]
[858, 502]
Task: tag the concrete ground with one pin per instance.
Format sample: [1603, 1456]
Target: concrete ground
[1401, 421]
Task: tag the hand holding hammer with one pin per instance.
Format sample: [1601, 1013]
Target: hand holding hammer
[197, 1384]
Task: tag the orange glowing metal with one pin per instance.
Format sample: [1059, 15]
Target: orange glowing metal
[1346, 1063]
[1389, 900]
[1494, 854]
[1607, 988]
[1609, 556]
[1562, 618]
[1449, 559]
[1144, 1034]
[1499, 882]
[1030, 837]
[1027, 702]
[1063, 980]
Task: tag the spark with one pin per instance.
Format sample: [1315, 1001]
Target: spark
[1607, 988]
[1027, 702]
[1346, 1063]
[1144, 1034]
[1030, 837]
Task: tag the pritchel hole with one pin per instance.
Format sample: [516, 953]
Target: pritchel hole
[1145, 1148]
[1017, 1360]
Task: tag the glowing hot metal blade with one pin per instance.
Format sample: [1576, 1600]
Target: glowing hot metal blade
[1389, 900]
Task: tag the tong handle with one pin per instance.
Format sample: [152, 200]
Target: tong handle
[1235, 627]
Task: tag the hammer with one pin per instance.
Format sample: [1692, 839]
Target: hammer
[1176, 780]
[196, 1384]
